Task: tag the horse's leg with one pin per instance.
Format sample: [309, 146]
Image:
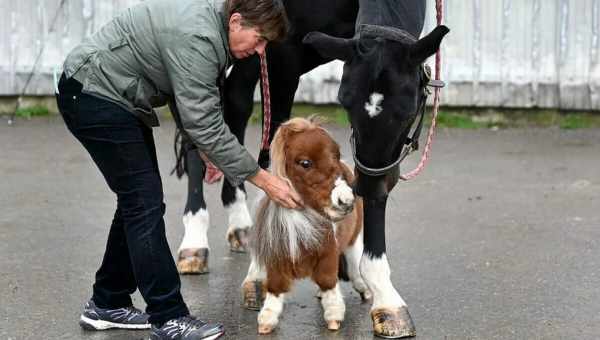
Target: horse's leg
[277, 286]
[325, 275]
[353, 254]
[239, 86]
[389, 312]
[253, 286]
[192, 256]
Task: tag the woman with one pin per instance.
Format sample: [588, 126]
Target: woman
[160, 52]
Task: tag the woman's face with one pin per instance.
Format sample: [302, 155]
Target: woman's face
[244, 41]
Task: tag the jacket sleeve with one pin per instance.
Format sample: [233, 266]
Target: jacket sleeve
[193, 66]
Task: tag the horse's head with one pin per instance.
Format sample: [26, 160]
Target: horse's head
[382, 89]
[307, 155]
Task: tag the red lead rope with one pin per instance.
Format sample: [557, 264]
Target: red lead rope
[264, 76]
[436, 103]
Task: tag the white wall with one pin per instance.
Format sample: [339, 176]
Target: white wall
[500, 53]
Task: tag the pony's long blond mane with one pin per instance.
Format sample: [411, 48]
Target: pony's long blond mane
[293, 125]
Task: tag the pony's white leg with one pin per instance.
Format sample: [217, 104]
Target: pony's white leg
[270, 312]
[194, 249]
[333, 307]
[353, 254]
[253, 287]
[239, 222]
[388, 306]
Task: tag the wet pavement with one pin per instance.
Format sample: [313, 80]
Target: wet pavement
[499, 238]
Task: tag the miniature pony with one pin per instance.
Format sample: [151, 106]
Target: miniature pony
[293, 244]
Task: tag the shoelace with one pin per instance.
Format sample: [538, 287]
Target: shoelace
[189, 322]
[133, 310]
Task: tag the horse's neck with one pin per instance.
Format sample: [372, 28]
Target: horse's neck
[408, 15]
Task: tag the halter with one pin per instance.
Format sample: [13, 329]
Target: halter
[412, 143]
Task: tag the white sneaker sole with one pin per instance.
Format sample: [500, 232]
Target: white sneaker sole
[99, 325]
[212, 337]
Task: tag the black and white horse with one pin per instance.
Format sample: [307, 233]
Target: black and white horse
[382, 89]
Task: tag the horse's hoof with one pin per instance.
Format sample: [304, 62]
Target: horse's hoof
[393, 323]
[193, 261]
[254, 293]
[238, 240]
[334, 325]
[265, 329]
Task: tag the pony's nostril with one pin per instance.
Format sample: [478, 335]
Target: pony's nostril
[345, 204]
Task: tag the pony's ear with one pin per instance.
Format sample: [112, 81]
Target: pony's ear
[428, 45]
[330, 47]
[278, 151]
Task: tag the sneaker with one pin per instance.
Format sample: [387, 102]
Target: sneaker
[95, 318]
[187, 328]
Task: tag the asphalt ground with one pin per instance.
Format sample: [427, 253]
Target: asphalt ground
[497, 239]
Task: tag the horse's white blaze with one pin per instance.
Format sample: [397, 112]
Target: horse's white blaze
[373, 106]
[376, 273]
[239, 215]
[269, 313]
[333, 304]
[353, 254]
[196, 230]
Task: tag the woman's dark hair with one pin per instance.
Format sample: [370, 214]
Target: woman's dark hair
[267, 15]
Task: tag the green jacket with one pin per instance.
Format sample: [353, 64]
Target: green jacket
[167, 52]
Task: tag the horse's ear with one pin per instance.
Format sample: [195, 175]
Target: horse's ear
[428, 45]
[330, 47]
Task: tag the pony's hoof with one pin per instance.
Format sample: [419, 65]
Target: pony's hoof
[238, 240]
[265, 329]
[193, 261]
[254, 293]
[393, 323]
[334, 325]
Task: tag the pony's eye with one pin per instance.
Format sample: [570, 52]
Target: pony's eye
[305, 163]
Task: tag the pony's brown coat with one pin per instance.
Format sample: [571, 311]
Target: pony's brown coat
[296, 142]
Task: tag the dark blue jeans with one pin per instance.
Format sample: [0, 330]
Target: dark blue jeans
[137, 253]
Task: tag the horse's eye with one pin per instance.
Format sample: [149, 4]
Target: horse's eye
[305, 163]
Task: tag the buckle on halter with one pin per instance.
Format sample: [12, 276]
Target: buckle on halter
[429, 81]
[436, 83]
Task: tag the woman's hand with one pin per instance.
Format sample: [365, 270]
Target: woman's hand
[277, 189]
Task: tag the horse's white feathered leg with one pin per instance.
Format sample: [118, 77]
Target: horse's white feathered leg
[389, 312]
[239, 222]
[253, 286]
[194, 249]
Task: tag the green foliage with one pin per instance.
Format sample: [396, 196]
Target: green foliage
[32, 111]
[466, 118]
[579, 121]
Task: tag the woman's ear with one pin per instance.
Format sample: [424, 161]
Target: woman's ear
[235, 22]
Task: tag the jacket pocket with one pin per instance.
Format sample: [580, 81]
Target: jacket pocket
[118, 43]
[77, 58]
[143, 96]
